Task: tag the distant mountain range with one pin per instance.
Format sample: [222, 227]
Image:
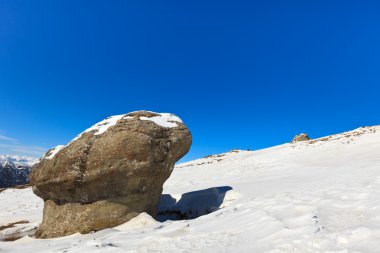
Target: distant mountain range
[14, 170]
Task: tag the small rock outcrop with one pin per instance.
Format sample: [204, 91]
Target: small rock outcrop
[300, 137]
[108, 174]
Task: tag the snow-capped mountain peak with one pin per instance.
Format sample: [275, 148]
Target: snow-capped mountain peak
[17, 161]
[14, 170]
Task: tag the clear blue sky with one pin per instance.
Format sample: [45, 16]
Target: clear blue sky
[241, 74]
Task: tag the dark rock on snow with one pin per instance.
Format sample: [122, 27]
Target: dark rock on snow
[108, 174]
[301, 137]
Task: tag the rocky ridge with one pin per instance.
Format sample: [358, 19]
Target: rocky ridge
[14, 170]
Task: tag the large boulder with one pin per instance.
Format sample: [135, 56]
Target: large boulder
[108, 174]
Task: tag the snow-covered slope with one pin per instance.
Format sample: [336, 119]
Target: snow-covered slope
[14, 170]
[314, 196]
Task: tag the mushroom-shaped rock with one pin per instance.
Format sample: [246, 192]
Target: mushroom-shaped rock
[301, 137]
[108, 174]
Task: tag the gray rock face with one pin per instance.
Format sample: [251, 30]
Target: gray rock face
[108, 174]
[301, 137]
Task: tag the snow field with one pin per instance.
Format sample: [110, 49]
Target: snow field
[317, 196]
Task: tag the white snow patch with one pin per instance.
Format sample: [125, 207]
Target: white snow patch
[19, 205]
[143, 220]
[164, 120]
[103, 125]
[25, 239]
[99, 128]
[54, 151]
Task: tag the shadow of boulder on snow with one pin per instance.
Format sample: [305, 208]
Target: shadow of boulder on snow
[191, 205]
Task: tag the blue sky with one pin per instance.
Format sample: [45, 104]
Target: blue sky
[241, 74]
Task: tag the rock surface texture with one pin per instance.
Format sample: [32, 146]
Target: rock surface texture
[108, 174]
[301, 137]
